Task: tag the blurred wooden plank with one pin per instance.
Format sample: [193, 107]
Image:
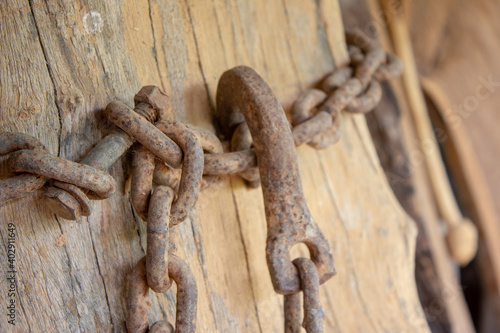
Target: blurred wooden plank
[461, 76]
[446, 300]
[452, 297]
[385, 127]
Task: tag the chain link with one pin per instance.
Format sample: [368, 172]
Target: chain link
[18, 186]
[99, 184]
[138, 302]
[314, 316]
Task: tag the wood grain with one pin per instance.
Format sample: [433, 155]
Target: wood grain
[63, 61]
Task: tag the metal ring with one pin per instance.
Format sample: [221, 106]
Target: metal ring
[146, 133]
[138, 302]
[242, 140]
[192, 168]
[230, 163]
[304, 121]
[11, 142]
[192, 171]
[211, 145]
[142, 180]
[367, 100]
[391, 68]
[336, 79]
[314, 316]
[158, 239]
[44, 164]
[166, 175]
[20, 185]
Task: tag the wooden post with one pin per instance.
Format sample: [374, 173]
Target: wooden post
[62, 62]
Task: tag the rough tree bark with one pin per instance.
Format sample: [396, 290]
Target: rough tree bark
[63, 61]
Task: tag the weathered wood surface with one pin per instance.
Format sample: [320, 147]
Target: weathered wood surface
[63, 61]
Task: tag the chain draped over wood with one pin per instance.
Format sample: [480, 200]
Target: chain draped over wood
[182, 160]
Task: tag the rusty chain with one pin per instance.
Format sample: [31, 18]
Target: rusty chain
[309, 284]
[182, 160]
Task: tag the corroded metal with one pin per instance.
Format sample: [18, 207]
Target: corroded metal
[192, 168]
[151, 103]
[392, 67]
[341, 97]
[187, 294]
[44, 164]
[158, 237]
[190, 182]
[67, 201]
[61, 199]
[318, 131]
[370, 62]
[242, 140]
[166, 175]
[19, 185]
[208, 140]
[363, 103]
[78, 194]
[146, 133]
[142, 180]
[138, 302]
[313, 312]
[211, 145]
[322, 128]
[107, 151]
[367, 100]
[374, 56]
[288, 218]
[292, 308]
[352, 89]
[11, 142]
[161, 326]
[230, 163]
[336, 79]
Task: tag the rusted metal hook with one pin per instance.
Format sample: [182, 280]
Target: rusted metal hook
[242, 90]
